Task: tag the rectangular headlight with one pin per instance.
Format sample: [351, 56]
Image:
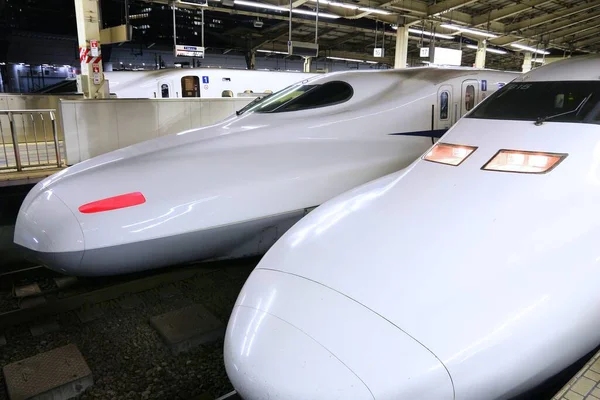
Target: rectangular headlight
[450, 154]
[527, 162]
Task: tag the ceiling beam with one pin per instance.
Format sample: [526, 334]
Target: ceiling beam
[276, 35]
[447, 5]
[416, 7]
[542, 33]
[544, 19]
[295, 20]
[574, 33]
[585, 43]
[298, 3]
[509, 11]
[341, 40]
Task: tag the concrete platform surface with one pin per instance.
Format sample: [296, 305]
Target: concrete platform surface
[187, 327]
[585, 384]
[29, 176]
[57, 374]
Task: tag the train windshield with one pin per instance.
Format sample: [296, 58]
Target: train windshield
[566, 101]
[301, 97]
[273, 101]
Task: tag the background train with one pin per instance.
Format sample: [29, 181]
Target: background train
[232, 189]
[199, 82]
[470, 275]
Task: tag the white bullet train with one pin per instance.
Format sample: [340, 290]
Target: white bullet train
[199, 82]
[472, 274]
[232, 189]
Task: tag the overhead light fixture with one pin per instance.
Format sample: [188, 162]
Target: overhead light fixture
[374, 10]
[352, 60]
[419, 32]
[352, 7]
[496, 51]
[336, 4]
[272, 51]
[279, 8]
[468, 30]
[531, 49]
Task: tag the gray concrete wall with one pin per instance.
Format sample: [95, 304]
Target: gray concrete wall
[25, 127]
[96, 127]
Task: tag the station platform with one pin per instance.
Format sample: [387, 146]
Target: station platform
[31, 153]
[38, 161]
[585, 385]
[26, 177]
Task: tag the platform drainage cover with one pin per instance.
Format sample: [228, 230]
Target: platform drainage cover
[61, 373]
[187, 327]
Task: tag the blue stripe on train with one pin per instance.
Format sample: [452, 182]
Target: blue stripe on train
[437, 133]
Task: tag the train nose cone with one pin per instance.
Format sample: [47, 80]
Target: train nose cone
[293, 338]
[49, 232]
[267, 358]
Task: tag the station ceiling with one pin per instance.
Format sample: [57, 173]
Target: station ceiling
[561, 27]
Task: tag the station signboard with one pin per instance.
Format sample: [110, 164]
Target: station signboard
[189, 51]
[378, 52]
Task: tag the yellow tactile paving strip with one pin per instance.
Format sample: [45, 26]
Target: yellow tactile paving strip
[584, 385]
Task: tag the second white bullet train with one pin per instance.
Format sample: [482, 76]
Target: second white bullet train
[472, 274]
[199, 82]
[232, 189]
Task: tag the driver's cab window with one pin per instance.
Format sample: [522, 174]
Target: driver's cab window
[327, 94]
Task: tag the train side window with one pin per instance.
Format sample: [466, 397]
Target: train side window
[327, 94]
[469, 97]
[190, 86]
[164, 91]
[444, 105]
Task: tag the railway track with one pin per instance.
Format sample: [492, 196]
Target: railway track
[69, 294]
[124, 350]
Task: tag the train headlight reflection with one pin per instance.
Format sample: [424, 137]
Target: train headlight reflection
[528, 162]
[451, 154]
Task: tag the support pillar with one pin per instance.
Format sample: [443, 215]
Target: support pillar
[307, 64]
[250, 60]
[480, 55]
[527, 62]
[401, 44]
[91, 81]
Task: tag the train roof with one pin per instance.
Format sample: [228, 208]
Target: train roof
[431, 74]
[581, 68]
[203, 70]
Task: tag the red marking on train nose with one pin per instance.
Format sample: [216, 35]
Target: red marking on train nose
[113, 203]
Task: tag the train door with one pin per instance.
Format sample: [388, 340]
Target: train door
[190, 86]
[470, 95]
[165, 90]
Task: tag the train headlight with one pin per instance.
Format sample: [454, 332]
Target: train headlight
[451, 154]
[527, 162]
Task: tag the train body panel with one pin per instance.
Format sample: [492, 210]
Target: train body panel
[245, 171]
[199, 82]
[490, 263]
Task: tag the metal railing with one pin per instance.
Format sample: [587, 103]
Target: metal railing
[29, 139]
